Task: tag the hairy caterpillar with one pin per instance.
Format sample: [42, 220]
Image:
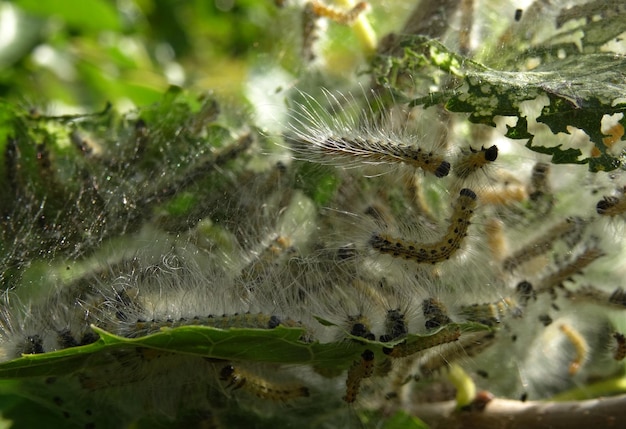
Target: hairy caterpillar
[540, 191]
[620, 346]
[470, 162]
[309, 31]
[611, 206]
[359, 326]
[568, 230]
[569, 269]
[324, 140]
[435, 313]
[615, 299]
[539, 185]
[361, 369]
[432, 252]
[395, 325]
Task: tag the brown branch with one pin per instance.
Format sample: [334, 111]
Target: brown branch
[508, 414]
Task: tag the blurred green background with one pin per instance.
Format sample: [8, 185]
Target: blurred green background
[62, 54]
[88, 52]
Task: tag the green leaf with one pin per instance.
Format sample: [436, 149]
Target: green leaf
[581, 90]
[281, 345]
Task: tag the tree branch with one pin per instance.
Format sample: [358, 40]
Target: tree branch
[508, 414]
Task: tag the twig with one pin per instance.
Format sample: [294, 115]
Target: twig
[598, 413]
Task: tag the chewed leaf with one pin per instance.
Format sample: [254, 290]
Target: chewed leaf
[581, 91]
[280, 345]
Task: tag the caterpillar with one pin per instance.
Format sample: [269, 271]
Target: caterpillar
[313, 11]
[620, 346]
[378, 151]
[468, 345]
[361, 369]
[435, 313]
[496, 239]
[440, 251]
[325, 140]
[395, 325]
[611, 206]
[540, 193]
[539, 185]
[405, 349]
[568, 230]
[569, 269]
[473, 160]
[309, 31]
[491, 314]
[359, 326]
[615, 299]
[581, 348]
[260, 387]
[341, 17]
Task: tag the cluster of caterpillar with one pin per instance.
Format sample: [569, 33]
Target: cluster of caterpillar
[389, 266]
